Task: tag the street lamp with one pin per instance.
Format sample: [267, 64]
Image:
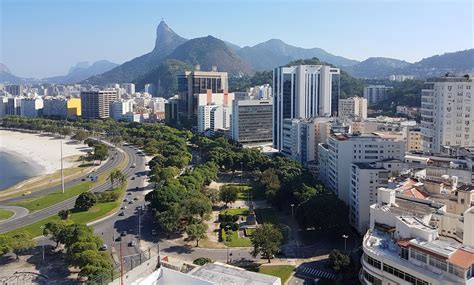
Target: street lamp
[227, 232]
[42, 243]
[292, 205]
[345, 240]
[241, 163]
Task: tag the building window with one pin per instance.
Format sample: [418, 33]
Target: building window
[373, 262]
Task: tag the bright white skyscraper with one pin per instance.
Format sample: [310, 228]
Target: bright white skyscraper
[303, 91]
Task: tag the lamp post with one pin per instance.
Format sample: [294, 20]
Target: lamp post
[241, 172]
[227, 232]
[292, 205]
[345, 240]
[42, 241]
[62, 169]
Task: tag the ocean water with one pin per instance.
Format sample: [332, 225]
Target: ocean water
[14, 169]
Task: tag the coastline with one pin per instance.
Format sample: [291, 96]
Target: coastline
[40, 152]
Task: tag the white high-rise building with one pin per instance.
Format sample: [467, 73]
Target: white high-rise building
[375, 93]
[343, 150]
[150, 89]
[157, 104]
[353, 107]
[119, 108]
[446, 118]
[31, 106]
[129, 88]
[214, 111]
[303, 91]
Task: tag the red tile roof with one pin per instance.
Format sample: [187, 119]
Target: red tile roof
[462, 258]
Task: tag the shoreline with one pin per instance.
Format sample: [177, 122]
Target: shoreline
[40, 152]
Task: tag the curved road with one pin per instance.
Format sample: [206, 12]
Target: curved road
[69, 203]
[18, 212]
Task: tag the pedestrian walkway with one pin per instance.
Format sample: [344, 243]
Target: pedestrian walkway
[313, 272]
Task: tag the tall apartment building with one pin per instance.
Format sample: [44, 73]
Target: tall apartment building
[353, 107]
[31, 106]
[193, 83]
[119, 108]
[171, 110]
[365, 179]
[252, 121]
[302, 92]
[302, 136]
[446, 106]
[343, 150]
[375, 93]
[413, 139]
[417, 241]
[129, 88]
[213, 111]
[13, 106]
[14, 90]
[3, 105]
[150, 89]
[55, 106]
[96, 104]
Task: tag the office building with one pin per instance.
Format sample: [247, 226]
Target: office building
[193, 83]
[13, 106]
[353, 107]
[96, 104]
[31, 106]
[302, 92]
[74, 109]
[343, 150]
[252, 121]
[446, 106]
[417, 241]
[3, 105]
[171, 110]
[375, 94]
[129, 88]
[119, 108]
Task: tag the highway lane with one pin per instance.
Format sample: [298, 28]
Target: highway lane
[106, 166]
[69, 203]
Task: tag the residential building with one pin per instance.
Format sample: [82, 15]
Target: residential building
[150, 89]
[375, 93]
[55, 106]
[261, 92]
[193, 83]
[31, 106]
[413, 139]
[13, 106]
[343, 150]
[212, 118]
[302, 92]
[129, 88]
[417, 241]
[157, 105]
[3, 105]
[400, 77]
[14, 90]
[365, 179]
[302, 136]
[252, 121]
[446, 106]
[74, 109]
[119, 108]
[411, 112]
[353, 107]
[96, 104]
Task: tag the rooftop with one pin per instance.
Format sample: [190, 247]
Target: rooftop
[224, 274]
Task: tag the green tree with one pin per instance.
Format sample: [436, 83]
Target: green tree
[228, 194]
[80, 136]
[64, 214]
[57, 231]
[117, 176]
[101, 152]
[199, 205]
[271, 183]
[338, 261]
[169, 220]
[85, 201]
[196, 232]
[202, 260]
[266, 240]
[21, 241]
[93, 263]
[5, 244]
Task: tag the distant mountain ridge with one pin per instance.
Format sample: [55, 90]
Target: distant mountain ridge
[82, 71]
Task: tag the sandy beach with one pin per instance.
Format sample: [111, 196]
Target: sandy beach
[42, 151]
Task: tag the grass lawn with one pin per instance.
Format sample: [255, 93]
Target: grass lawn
[241, 211]
[5, 214]
[266, 215]
[41, 202]
[249, 232]
[238, 241]
[98, 211]
[282, 271]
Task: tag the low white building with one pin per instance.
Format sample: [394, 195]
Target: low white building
[353, 107]
[119, 108]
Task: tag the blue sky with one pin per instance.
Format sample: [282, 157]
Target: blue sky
[46, 37]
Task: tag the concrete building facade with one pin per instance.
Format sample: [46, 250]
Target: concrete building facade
[252, 121]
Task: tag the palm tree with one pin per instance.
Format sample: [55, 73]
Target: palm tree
[117, 176]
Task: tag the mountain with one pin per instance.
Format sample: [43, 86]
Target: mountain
[7, 77]
[166, 41]
[82, 71]
[209, 51]
[274, 52]
[457, 62]
[376, 67]
[380, 67]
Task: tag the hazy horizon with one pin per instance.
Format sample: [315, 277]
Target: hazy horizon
[47, 38]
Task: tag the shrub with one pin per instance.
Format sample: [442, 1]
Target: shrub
[228, 218]
[223, 236]
[233, 226]
[202, 260]
[109, 196]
